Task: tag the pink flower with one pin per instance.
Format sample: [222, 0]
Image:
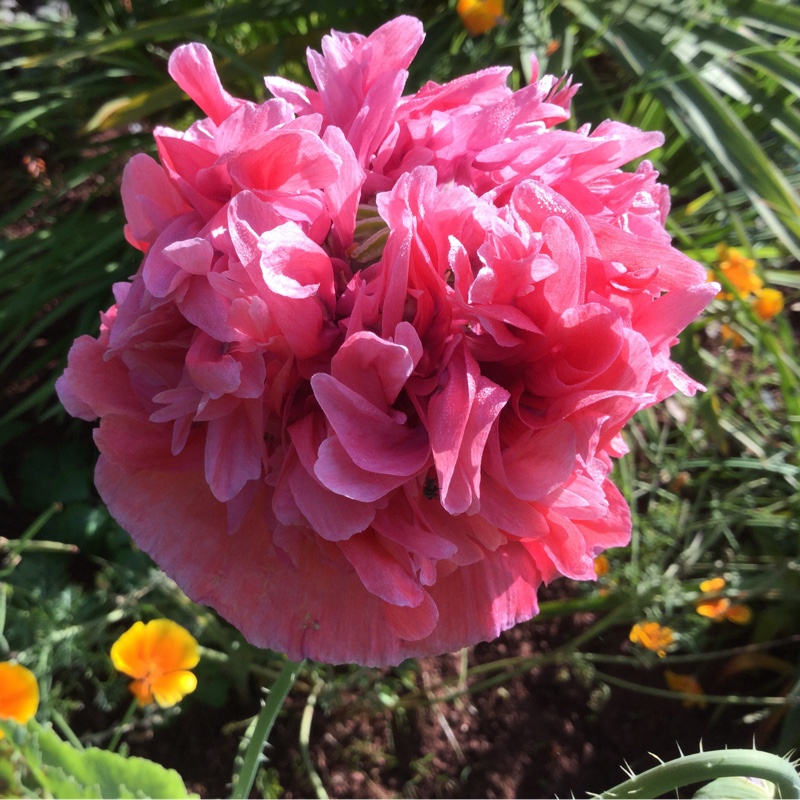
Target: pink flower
[363, 394]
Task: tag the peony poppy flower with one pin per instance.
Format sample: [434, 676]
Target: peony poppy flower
[19, 693]
[480, 16]
[686, 684]
[652, 636]
[363, 395]
[158, 655]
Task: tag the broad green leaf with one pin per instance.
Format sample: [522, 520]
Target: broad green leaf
[62, 771]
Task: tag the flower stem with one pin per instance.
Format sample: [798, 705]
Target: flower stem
[65, 729]
[702, 767]
[124, 722]
[305, 733]
[266, 719]
[719, 699]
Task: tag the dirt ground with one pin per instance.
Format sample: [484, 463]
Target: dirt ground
[550, 732]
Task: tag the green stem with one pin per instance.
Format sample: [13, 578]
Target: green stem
[62, 725]
[702, 767]
[718, 699]
[305, 734]
[266, 719]
[124, 722]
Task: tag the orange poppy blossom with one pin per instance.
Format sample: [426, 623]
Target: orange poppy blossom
[158, 656]
[721, 608]
[687, 684]
[652, 636]
[768, 303]
[601, 565]
[731, 336]
[19, 693]
[738, 271]
[480, 16]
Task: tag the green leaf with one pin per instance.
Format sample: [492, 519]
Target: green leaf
[62, 771]
[698, 110]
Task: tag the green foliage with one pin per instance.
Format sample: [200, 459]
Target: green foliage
[720, 78]
[42, 765]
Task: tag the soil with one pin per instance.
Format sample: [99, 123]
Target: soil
[552, 731]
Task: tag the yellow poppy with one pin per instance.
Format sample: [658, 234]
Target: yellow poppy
[158, 656]
[768, 303]
[19, 693]
[480, 16]
[652, 636]
[686, 684]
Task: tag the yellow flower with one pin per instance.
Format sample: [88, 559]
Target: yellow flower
[738, 271]
[480, 16]
[686, 684]
[601, 565]
[712, 585]
[768, 303]
[720, 608]
[158, 656]
[19, 693]
[652, 636]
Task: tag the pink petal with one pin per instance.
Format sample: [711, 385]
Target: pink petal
[380, 573]
[233, 454]
[460, 415]
[93, 386]
[192, 68]
[538, 463]
[373, 439]
[150, 201]
[339, 473]
[286, 160]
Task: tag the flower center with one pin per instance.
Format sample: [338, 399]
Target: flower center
[369, 238]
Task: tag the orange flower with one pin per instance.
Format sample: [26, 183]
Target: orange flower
[768, 303]
[158, 656]
[601, 566]
[738, 271]
[686, 684]
[731, 336]
[713, 585]
[19, 693]
[480, 16]
[720, 608]
[652, 636]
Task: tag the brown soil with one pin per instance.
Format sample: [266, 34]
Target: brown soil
[552, 731]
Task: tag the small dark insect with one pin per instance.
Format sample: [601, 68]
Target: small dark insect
[431, 488]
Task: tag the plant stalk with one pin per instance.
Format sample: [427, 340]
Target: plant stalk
[703, 767]
[266, 719]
